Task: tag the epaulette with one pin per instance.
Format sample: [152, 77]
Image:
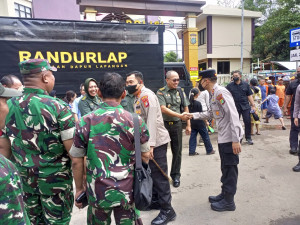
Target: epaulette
[83, 98]
[163, 88]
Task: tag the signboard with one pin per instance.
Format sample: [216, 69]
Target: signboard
[295, 55]
[194, 72]
[295, 37]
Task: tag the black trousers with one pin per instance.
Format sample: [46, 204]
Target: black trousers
[161, 187]
[229, 162]
[247, 121]
[175, 131]
[294, 132]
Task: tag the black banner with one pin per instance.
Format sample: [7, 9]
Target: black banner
[77, 61]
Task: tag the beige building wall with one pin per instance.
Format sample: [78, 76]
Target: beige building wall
[235, 64]
[202, 49]
[226, 37]
[7, 7]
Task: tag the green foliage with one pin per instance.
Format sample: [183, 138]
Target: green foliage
[272, 38]
[171, 57]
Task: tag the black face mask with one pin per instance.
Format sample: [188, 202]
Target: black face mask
[201, 88]
[236, 79]
[131, 88]
[298, 76]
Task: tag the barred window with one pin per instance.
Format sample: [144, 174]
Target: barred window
[22, 11]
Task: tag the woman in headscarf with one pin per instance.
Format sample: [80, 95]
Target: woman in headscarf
[90, 101]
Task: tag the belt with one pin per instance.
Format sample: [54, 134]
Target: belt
[171, 122]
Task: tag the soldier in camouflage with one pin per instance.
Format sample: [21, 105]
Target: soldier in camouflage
[106, 138]
[12, 207]
[90, 101]
[40, 129]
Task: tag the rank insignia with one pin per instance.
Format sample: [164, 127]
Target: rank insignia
[145, 101]
[221, 99]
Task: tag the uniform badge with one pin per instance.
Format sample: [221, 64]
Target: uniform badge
[160, 93]
[221, 99]
[138, 112]
[145, 101]
[217, 113]
[169, 106]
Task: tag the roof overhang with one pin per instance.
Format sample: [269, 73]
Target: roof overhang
[216, 10]
[144, 7]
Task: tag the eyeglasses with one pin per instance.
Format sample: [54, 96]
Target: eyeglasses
[175, 80]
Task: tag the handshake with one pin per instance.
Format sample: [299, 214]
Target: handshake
[186, 116]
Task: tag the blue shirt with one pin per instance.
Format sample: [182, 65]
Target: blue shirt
[75, 106]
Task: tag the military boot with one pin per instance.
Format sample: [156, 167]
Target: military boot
[226, 204]
[217, 198]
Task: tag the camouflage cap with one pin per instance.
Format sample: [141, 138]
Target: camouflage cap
[9, 92]
[32, 66]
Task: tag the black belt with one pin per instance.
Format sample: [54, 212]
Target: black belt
[171, 122]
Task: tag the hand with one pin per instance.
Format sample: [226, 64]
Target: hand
[296, 122]
[188, 130]
[236, 147]
[145, 157]
[285, 110]
[207, 123]
[78, 192]
[186, 116]
[151, 153]
[253, 108]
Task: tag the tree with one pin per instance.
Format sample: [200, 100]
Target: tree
[171, 57]
[229, 3]
[272, 38]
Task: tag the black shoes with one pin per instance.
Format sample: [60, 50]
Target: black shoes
[223, 205]
[211, 153]
[176, 183]
[217, 198]
[297, 168]
[164, 217]
[293, 151]
[249, 141]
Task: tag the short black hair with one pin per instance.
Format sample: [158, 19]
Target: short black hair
[138, 75]
[8, 80]
[272, 91]
[112, 85]
[236, 71]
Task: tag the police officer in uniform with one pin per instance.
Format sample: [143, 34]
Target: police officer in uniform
[242, 95]
[90, 101]
[230, 133]
[170, 101]
[291, 94]
[147, 106]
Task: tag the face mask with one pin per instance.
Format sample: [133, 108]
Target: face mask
[236, 79]
[298, 76]
[201, 88]
[131, 88]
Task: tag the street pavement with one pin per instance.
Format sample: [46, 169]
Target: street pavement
[268, 189]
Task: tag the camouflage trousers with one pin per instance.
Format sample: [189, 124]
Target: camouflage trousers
[49, 209]
[101, 216]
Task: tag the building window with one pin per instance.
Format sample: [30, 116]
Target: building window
[202, 66]
[224, 67]
[202, 37]
[22, 11]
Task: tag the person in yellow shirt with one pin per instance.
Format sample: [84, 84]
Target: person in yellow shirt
[280, 92]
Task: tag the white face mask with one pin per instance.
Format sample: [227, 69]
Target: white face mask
[21, 88]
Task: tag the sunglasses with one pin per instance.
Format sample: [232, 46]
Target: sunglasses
[175, 80]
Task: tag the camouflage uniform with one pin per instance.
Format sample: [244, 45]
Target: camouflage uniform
[106, 138]
[37, 124]
[12, 208]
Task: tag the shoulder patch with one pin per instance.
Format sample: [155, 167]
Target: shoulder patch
[159, 93]
[145, 101]
[83, 98]
[220, 99]
[161, 89]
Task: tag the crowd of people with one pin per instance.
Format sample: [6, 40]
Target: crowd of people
[46, 142]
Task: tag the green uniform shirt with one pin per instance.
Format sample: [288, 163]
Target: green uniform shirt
[37, 124]
[106, 138]
[88, 104]
[11, 199]
[128, 103]
[171, 99]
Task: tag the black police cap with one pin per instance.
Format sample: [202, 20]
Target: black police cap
[207, 74]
